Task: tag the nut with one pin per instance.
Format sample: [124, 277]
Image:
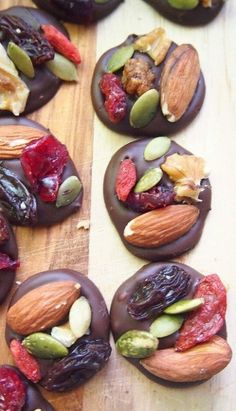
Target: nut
[155, 43]
[43, 307]
[42, 345]
[179, 81]
[136, 344]
[14, 138]
[197, 364]
[206, 3]
[161, 226]
[137, 77]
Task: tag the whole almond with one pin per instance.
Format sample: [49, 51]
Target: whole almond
[179, 81]
[43, 307]
[14, 138]
[199, 363]
[161, 226]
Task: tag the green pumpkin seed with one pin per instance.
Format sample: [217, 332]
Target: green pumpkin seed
[21, 59]
[136, 344]
[119, 58]
[166, 325]
[144, 109]
[68, 191]
[150, 178]
[184, 4]
[101, 1]
[157, 148]
[183, 306]
[44, 346]
[63, 68]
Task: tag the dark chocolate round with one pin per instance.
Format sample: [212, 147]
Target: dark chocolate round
[100, 323]
[47, 213]
[34, 398]
[122, 322]
[159, 125]
[78, 11]
[121, 215]
[44, 85]
[198, 16]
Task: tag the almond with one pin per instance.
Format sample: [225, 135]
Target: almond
[43, 307]
[161, 226]
[179, 81]
[14, 138]
[199, 363]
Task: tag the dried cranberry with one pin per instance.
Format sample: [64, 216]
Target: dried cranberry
[43, 162]
[157, 197]
[27, 364]
[116, 102]
[12, 390]
[4, 232]
[7, 263]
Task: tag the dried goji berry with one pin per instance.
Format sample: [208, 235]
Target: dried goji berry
[125, 179]
[6, 262]
[207, 320]
[116, 101]
[12, 390]
[27, 364]
[61, 43]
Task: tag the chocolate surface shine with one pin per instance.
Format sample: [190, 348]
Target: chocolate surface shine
[121, 215]
[159, 125]
[44, 85]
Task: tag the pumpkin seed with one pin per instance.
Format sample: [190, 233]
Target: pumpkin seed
[44, 346]
[183, 306]
[21, 59]
[166, 325]
[144, 109]
[156, 148]
[119, 58]
[63, 68]
[150, 178]
[101, 1]
[136, 344]
[68, 191]
[183, 4]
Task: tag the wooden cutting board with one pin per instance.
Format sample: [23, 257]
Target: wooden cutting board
[99, 252]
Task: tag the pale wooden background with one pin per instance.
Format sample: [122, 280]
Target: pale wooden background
[120, 387]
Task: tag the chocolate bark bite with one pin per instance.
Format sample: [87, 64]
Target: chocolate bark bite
[79, 11]
[198, 15]
[124, 212]
[136, 82]
[77, 366]
[40, 212]
[122, 321]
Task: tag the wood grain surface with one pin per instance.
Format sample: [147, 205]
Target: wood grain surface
[99, 252]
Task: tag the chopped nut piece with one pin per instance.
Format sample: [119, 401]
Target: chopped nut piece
[155, 43]
[85, 224]
[137, 77]
[206, 3]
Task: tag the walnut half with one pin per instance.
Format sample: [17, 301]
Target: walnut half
[137, 77]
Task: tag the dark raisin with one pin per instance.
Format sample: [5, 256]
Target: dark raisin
[155, 293]
[115, 102]
[86, 357]
[4, 232]
[157, 197]
[81, 8]
[25, 36]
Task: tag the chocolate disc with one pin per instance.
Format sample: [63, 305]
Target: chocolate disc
[158, 125]
[98, 330]
[47, 213]
[121, 215]
[79, 11]
[197, 16]
[45, 84]
[122, 322]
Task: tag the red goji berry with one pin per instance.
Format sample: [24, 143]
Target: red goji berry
[12, 390]
[207, 320]
[126, 179]
[115, 102]
[27, 364]
[61, 43]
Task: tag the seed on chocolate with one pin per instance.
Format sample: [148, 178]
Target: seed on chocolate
[157, 148]
[144, 109]
[183, 4]
[21, 59]
[42, 345]
[150, 178]
[63, 68]
[68, 191]
[184, 306]
[119, 58]
[136, 344]
[166, 325]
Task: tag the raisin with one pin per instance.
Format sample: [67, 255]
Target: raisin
[43, 162]
[26, 363]
[4, 232]
[115, 102]
[82, 9]
[16, 201]
[126, 179]
[12, 390]
[86, 357]
[7, 263]
[205, 322]
[25, 36]
[158, 291]
[157, 197]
